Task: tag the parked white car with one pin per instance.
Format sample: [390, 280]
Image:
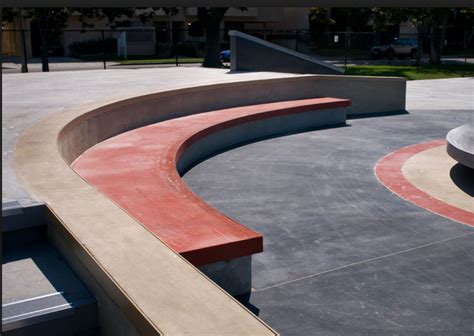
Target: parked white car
[403, 47]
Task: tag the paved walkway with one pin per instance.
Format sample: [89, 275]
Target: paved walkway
[342, 254]
[441, 94]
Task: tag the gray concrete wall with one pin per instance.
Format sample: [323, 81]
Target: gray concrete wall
[234, 275]
[249, 53]
[256, 130]
[113, 320]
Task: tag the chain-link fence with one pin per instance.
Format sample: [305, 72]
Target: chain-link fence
[157, 46]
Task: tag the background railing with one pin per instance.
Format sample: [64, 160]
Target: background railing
[163, 46]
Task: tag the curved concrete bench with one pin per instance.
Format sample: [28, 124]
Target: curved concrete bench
[460, 144]
[141, 285]
[140, 171]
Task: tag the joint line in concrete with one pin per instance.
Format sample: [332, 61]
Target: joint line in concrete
[363, 262]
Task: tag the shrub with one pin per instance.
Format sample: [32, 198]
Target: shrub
[92, 47]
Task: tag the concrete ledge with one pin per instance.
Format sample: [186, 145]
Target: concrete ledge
[460, 144]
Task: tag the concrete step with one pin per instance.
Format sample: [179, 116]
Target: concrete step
[41, 295]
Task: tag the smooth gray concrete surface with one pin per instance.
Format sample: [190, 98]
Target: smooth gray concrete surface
[40, 293]
[16, 217]
[460, 144]
[441, 94]
[342, 254]
[234, 275]
[249, 53]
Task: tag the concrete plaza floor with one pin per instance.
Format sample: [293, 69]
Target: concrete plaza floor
[343, 255]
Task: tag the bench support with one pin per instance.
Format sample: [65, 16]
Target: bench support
[234, 275]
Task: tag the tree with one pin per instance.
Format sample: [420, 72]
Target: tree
[419, 17]
[113, 15]
[386, 20]
[384, 17]
[351, 19]
[8, 15]
[148, 13]
[439, 25]
[51, 22]
[422, 20]
[320, 22]
[210, 19]
[463, 25]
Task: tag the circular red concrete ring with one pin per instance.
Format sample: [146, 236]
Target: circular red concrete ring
[389, 172]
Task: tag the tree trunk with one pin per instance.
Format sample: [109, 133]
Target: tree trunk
[435, 57]
[23, 53]
[212, 58]
[419, 48]
[211, 19]
[444, 27]
[44, 46]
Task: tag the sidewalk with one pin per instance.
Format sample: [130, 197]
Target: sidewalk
[13, 64]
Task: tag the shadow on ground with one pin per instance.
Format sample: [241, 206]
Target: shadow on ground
[463, 177]
[245, 301]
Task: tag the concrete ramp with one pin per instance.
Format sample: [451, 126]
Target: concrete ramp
[249, 53]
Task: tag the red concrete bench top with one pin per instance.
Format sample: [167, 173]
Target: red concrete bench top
[137, 170]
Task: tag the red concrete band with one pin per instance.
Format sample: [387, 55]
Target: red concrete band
[137, 170]
[389, 172]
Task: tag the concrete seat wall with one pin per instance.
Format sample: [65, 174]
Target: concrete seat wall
[367, 94]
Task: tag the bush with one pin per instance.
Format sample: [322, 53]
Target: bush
[92, 47]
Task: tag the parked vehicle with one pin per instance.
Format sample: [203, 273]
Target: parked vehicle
[225, 56]
[404, 47]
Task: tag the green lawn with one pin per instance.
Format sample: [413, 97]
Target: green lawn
[413, 72]
[353, 54]
[161, 61]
